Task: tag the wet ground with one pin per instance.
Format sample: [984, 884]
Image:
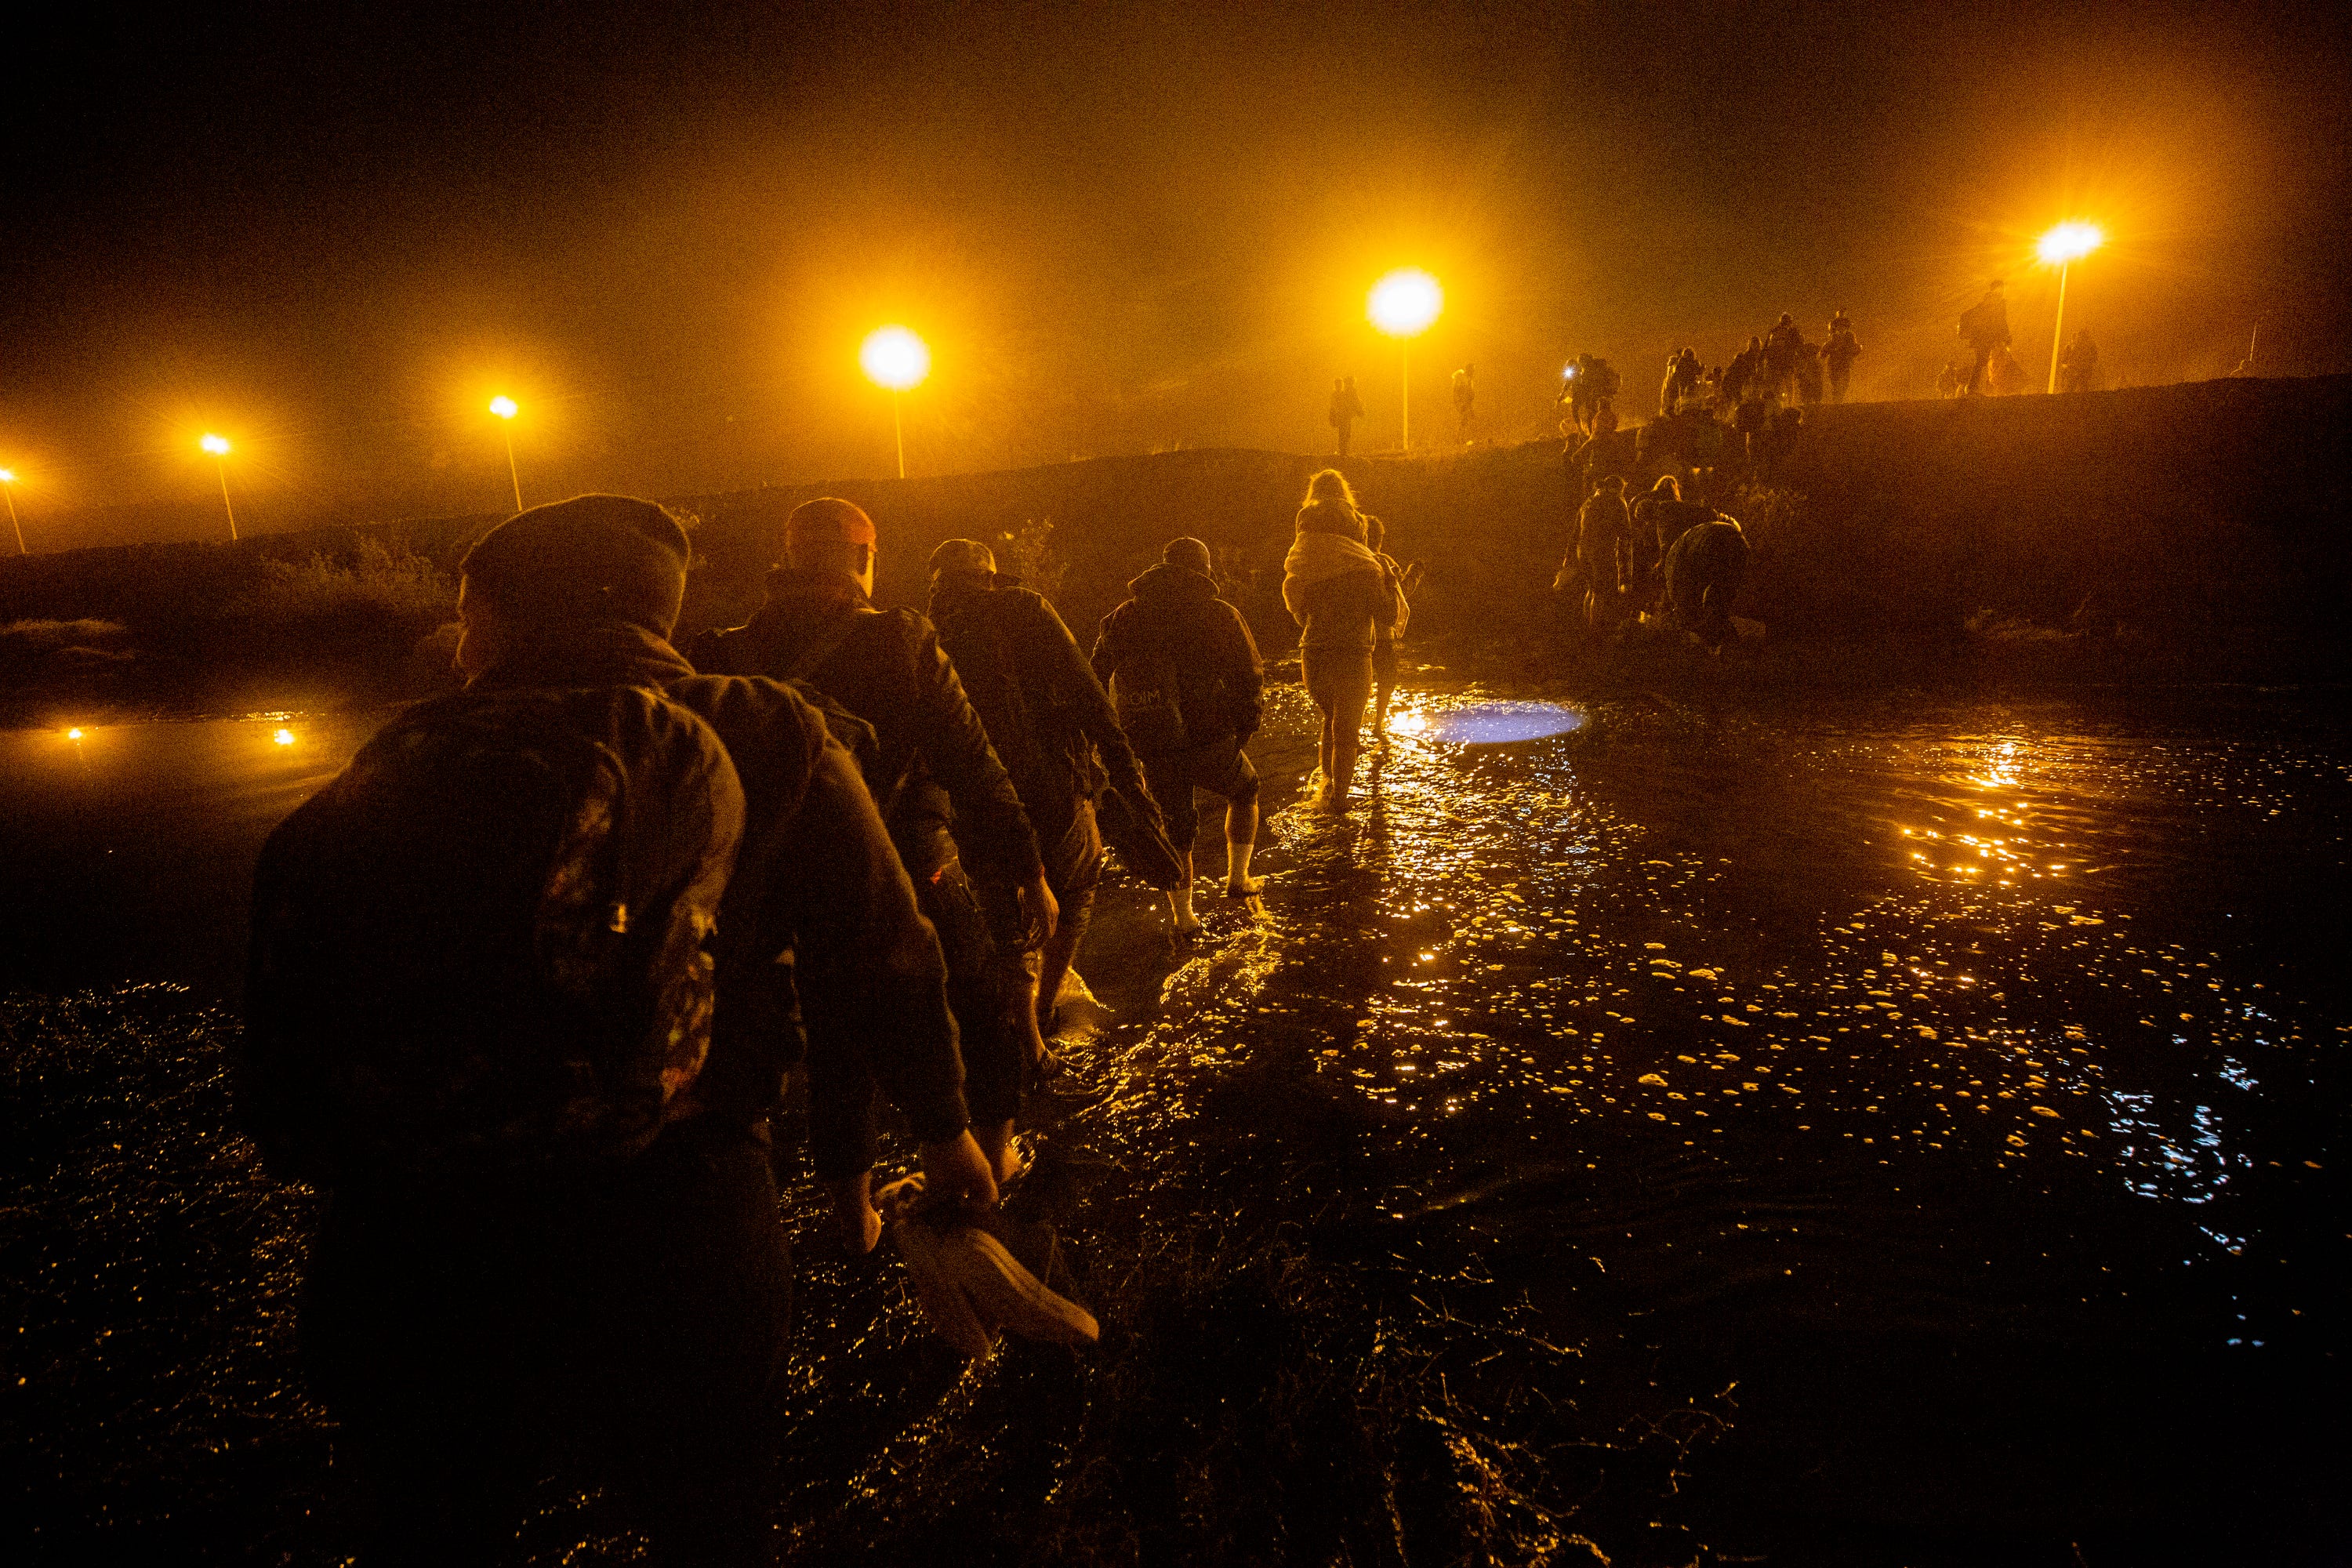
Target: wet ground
[1826, 1130]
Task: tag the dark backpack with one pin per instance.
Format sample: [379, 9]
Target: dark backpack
[1147, 692]
[480, 951]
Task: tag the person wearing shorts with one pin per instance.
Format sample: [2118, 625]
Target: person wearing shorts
[1336, 589]
[1186, 680]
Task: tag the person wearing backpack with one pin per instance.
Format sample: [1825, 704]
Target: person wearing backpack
[1053, 726]
[526, 978]
[1984, 326]
[951, 810]
[1189, 690]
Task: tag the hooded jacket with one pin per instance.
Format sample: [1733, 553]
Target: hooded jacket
[819, 905]
[888, 668]
[1175, 610]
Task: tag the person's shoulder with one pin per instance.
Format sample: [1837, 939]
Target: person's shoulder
[747, 709]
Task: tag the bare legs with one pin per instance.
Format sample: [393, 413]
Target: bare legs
[1343, 724]
[1241, 838]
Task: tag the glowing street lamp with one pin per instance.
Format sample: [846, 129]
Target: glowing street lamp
[218, 446]
[896, 358]
[2067, 243]
[1402, 304]
[8, 485]
[504, 407]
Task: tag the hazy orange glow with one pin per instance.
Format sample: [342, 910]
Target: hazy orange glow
[73, 734]
[1403, 303]
[896, 358]
[504, 407]
[2068, 242]
[283, 737]
[216, 444]
[7, 476]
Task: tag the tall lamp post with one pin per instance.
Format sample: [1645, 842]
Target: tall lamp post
[2067, 243]
[8, 485]
[1402, 304]
[896, 358]
[504, 407]
[218, 446]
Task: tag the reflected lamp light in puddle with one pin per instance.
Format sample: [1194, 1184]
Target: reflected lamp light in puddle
[282, 737]
[1493, 723]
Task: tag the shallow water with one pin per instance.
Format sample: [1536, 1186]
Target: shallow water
[1928, 1116]
[1959, 1086]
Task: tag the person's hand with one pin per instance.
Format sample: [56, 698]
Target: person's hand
[957, 1173]
[1410, 581]
[1039, 912]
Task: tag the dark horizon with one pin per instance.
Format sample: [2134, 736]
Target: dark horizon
[332, 238]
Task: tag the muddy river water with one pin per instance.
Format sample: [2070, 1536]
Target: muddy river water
[1930, 1114]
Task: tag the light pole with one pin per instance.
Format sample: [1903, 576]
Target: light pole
[8, 485]
[1402, 304]
[218, 446]
[894, 357]
[504, 407]
[2067, 243]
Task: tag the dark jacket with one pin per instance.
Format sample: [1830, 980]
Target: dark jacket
[1047, 716]
[819, 911]
[935, 772]
[1603, 527]
[1985, 324]
[1175, 610]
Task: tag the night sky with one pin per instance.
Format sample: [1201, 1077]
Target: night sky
[665, 230]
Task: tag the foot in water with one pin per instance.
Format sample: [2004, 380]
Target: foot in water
[1187, 924]
[1245, 887]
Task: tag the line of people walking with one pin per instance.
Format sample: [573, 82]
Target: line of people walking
[532, 978]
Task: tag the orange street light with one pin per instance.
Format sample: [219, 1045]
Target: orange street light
[504, 407]
[8, 486]
[2068, 242]
[218, 446]
[894, 357]
[1402, 304]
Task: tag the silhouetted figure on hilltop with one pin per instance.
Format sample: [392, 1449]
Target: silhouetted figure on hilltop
[1839, 354]
[1346, 409]
[1740, 376]
[1984, 328]
[1783, 346]
[2078, 367]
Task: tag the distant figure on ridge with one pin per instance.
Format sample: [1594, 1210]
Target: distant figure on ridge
[2078, 367]
[1782, 345]
[1190, 691]
[1333, 586]
[1466, 393]
[1839, 354]
[1346, 409]
[1984, 328]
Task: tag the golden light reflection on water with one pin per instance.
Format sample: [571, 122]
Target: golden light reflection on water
[1493, 930]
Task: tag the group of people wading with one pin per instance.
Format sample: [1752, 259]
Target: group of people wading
[531, 978]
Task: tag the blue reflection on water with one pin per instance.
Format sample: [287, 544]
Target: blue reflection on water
[1499, 723]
